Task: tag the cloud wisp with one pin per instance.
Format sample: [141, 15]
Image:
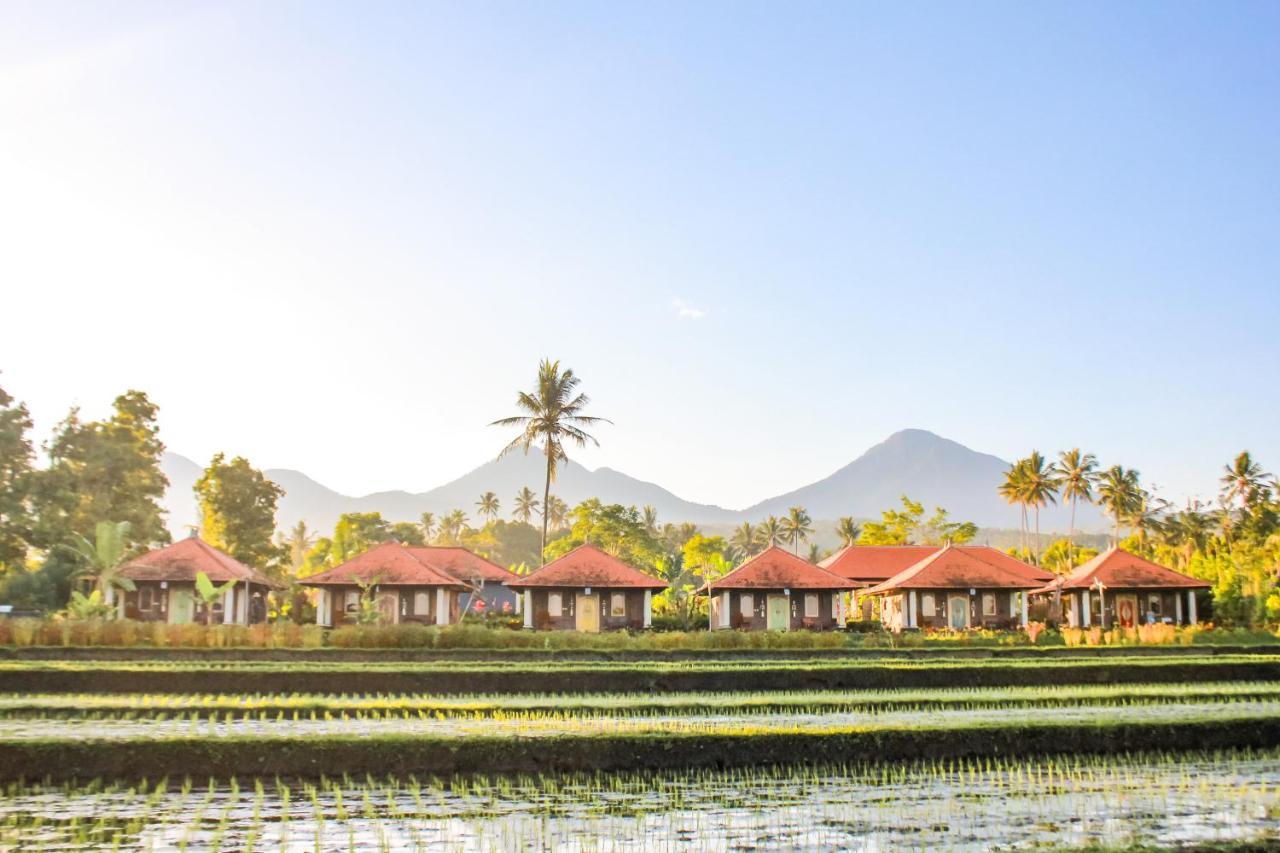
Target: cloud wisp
[686, 311]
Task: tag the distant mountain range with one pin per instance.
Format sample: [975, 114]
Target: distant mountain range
[918, 463]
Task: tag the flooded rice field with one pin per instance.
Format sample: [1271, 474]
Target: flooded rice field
[1160, 801]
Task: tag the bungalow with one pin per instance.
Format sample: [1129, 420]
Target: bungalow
[777, 591]
[957, 588]
[405, 586]
[1119, 588]
[164, 583]
[486, 579]
[874, 564]
[587, 590]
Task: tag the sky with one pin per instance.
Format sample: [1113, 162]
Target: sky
[339, 237]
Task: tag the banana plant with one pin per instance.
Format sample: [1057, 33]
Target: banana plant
[210, 593]
[88, 607]
[102, 560]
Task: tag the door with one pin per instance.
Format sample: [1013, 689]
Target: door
[181, 605]
[779, 613]
[1126, 610]
[587, 613]
[958, 612]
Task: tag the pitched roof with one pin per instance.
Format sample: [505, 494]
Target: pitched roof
[185, 558]
[1117, 568]
[464, 565]
[876, 563]
[774, 568]
[586, 566]
[956, 568]
[390, 564]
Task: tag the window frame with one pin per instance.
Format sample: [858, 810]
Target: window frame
[928, 605]
[994, 609]
[556, 611]
[617, 605]
[746, 605]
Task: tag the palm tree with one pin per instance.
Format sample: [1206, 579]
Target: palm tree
[557, 511]
[1188, 531]
[796, 527]
[1078, 472]
[553, 415]
[488, 505]
[1042, 481]
[744, 541]
[1242, 480]
[649, 518]
[1146, 514]
[770, 531]
[103, 558]
[452, 525]
[427, 521]
[815, 553]
[848, 530]
[1118, 493]
[299, 541]
[1014, 491]
[526, 504]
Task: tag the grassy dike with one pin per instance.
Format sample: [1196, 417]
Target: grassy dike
[465, 678]
[380, 755]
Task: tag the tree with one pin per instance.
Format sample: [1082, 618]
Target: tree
[210, 593]
[238, 510]
[527, 504]
[452, 526]
[557, 513]
[1118, 493]
[406, 533]
[895, 527]
[848, 530]
[102, 559]
[553, 415]
[504, 542]
[770, 531]
[427, 521]
[796, 527]
[296, 545]
[1041, 488]
[617, 529]
[355, 533]
[102, 470]
[650, 516]
[699, 554]
[744, 542]
[488, 505]
[16, 457]
[938, 530]
[1243, 481]
[1014, 491]
[1079, 472]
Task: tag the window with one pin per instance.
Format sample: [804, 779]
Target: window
[988, 604]
[835, 606]
[811, 605]
[927, 606]
[554, 605]
[746, 605]
[1154, 603]
[353, 601]
[145, 601]
[421, 603]
[618, 604]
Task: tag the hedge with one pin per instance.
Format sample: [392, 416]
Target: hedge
[382, 755]
[624, 678]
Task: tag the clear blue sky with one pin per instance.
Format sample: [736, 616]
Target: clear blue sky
[338, 237]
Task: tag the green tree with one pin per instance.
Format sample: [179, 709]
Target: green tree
[848, 530]
[452, 526]
[744, 542]
[488, 506]
[210, 594]
[614, 528]
[557, 512]
[1079, 472]
[527, 505]
[406, 533]
[796, 527]
[1119, 493]
[238, 510]
[296, 544]
[1042, 483]
[650, 516]
[939, 530]
[895, 527]
[553, 414]
[16, 458]
[770, 531]
[699, 552]
[504, 542]
[1014, 490]
[427, 521]
[102, 559]
[355, 533]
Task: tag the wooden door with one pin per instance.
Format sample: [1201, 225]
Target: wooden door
[1127, 610]
[958, 612]
[779, 613]
[587, 613]
[181, 605]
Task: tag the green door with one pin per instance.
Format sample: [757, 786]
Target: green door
[181, 605]
[779, 613]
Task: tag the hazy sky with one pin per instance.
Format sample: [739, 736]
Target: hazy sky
[338, 237]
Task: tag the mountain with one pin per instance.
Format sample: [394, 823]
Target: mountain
[927, 467]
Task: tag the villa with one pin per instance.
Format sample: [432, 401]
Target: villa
[1119, 588]
[165, 586]
[777, 591]
[587, 590]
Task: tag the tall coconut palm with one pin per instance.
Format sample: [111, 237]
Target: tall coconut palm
[1014, 491]
[1042, 485]
[488, 505]
[526, 504]
[298, 543]
[649, 518]
[103, 558]
[796, 527]
[452, 525]
[553, 414]
[1078, 472]
[557, 512]
[1147, 515]
[848, 530]
[427, 521]
[1118, 493]
[744, 541]
[1242, 481]
[770, 531]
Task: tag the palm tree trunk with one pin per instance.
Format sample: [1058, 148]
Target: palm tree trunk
[1071, 536]
[546, 510]
[1037, 543]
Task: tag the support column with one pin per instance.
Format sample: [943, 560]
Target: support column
[1086, 617]
[1023, 595]
[726, 619]
[1177, 608]
[323, 610]
[229, 607]
[442, 606]
[648, 608]
[527, 597]
[1191, 607]
[912, 597]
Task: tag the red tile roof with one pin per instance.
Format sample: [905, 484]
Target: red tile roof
[876, 563]
[956, 568]
[586, 566]
[1122, 570]
[391, 564]
[1008, 561]
[182, 560]
[462, 564]
[774, 568]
